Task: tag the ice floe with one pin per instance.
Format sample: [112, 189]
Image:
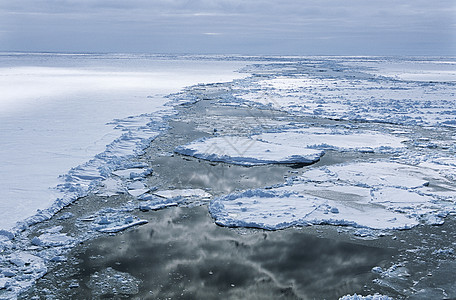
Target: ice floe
[183, 193]
[247, 151]
[166, 198]
[52, 240]
[377, 195]
[339, 140]
[113, 221]
[137, 188]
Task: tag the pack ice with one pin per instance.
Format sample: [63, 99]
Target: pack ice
[375, 195]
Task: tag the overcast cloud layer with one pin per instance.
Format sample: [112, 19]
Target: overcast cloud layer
[352, 27]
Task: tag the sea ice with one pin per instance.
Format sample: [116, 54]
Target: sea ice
[247, 152]
[133, 173]
[166, 198]
[361, 97]
[112, 221]
[24, 269]
[111, 186]
[52, 240]
[4, 283]
[377, 195]
[183, 193]
[154, 205]
[368, 297]
[137, 188]
[340, 140]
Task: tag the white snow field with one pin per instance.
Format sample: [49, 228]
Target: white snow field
[247, 152]
[58, 113]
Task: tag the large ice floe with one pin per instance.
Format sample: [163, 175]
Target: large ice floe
[374, 195]
[335, 139]
[247, 151]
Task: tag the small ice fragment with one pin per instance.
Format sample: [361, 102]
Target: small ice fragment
[432, 219]
[156, 206]
[195, 193]
[9, 235]
[114, 229]
[104, 221]
[73, 285]
[36, 241]
[136, 185]
[8, 273]
[147, 197]
[17, 261]
[58, 258]
[66, 216]
[4, 283]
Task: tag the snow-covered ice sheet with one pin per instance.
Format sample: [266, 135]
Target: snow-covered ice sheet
[377, 195]
[247, 151]
[340, 140]
[54, 112]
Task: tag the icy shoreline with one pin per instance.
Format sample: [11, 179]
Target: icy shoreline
[85, 118]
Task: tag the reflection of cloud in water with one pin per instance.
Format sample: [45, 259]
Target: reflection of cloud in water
[220, 178]
[181, 251]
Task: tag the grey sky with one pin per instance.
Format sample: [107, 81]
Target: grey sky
[352, 27]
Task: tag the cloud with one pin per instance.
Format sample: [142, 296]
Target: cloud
[246, 23]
